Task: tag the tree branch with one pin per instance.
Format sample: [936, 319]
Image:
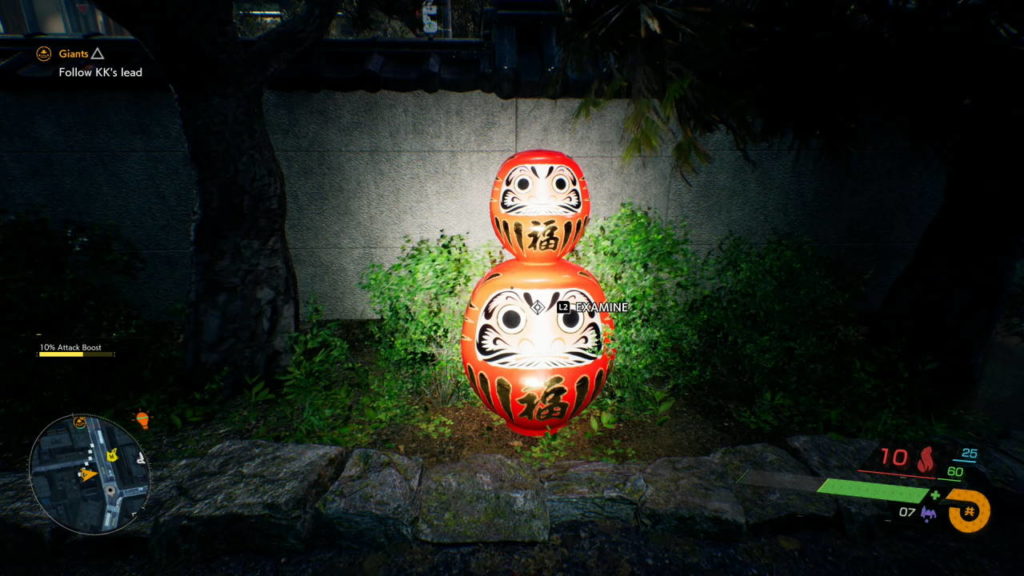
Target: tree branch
[139, 18]
[275, 48]
[183, 36]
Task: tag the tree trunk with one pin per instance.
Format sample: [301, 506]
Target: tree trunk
[945, 306]
[243, 302]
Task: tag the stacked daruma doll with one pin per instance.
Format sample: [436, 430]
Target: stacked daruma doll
[534, 346]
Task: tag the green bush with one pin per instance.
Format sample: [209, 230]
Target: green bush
[766, 335]
[320, 355]
[778, 343]
[421, 300]
[651, 265]
[325, 396]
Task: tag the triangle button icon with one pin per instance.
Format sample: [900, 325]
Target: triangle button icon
[97, 55]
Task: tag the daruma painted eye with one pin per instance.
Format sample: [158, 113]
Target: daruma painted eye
[561, 183]
[570, 321]
[523, 183]
[511, 320]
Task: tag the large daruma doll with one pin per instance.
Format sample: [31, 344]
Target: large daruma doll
[532, 365]
[534, 345]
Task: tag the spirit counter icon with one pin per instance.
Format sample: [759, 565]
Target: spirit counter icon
[928, 514]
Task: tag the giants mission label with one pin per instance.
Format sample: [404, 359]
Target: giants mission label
[82, 63]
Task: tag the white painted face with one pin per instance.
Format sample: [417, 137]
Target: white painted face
[522, 329]
[541, 189]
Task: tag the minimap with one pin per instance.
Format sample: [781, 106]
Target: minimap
[89, 474]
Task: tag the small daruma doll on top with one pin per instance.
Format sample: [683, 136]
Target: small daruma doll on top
[540, 205]
[534, 346]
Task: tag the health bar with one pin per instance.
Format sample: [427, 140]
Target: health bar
[836, 487]
[873, 490]
[76, 354]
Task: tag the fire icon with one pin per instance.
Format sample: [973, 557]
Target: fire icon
[925, 462]
[143, 419]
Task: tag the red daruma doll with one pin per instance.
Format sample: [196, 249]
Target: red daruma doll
[540, 205]
[534, 347]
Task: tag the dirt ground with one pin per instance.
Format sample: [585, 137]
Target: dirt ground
[475, 430]
[684, 431]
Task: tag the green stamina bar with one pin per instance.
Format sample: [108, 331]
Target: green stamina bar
[872, 490]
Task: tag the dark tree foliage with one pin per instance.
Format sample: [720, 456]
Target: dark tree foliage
[243, 300]
[810, 69]
[947, 72]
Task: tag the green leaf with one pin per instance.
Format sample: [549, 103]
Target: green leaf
[666, 405]
[608, 419]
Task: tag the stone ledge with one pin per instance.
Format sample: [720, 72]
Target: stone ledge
[255, 496]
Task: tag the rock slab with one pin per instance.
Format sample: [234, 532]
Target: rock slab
[841, 458]
[485, 498]
[690, 496]
[1003, 464]
[24, 527]
[247, 496]
[763, 504]
[164, 481]
[373, 498]
[593, 492]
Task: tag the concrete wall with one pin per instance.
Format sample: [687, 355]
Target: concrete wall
[364, 170]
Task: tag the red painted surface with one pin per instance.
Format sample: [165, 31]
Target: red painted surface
[541, 223]
[532, 365]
